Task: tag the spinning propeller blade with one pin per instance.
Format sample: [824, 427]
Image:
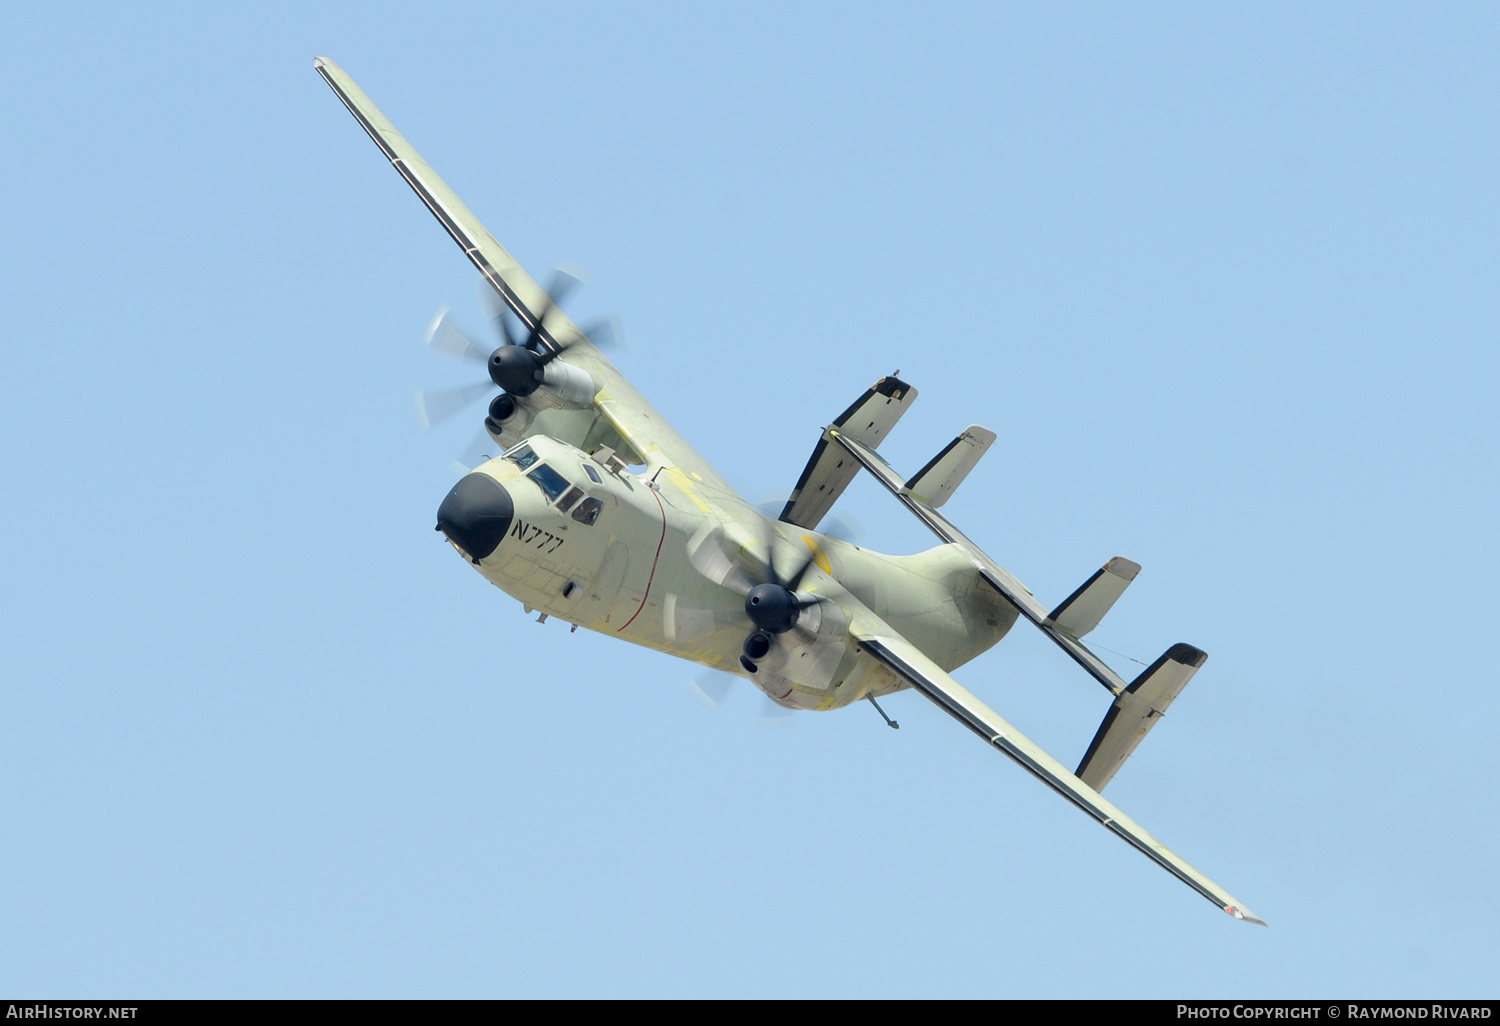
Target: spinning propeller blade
[708, 557]
[446, 339]
[844, 528]
[773, 606]
[522, 365]
[604, 333]
[711, 687]
[437, 405]
[773, 715]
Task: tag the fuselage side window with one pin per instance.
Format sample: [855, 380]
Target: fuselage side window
[587, 511]
[593, 474]
[549, 481]
[521, 456]
[573, 495]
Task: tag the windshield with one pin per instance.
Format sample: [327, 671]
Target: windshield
[522, 456]
[549, 481]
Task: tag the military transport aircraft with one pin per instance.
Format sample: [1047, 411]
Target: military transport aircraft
[599, 514]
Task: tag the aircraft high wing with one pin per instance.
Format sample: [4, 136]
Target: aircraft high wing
[628, 412]
[908, 662]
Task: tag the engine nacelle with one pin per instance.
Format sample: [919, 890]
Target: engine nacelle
[565, 386]
[825, 619]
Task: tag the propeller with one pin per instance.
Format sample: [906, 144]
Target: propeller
[843, 527]
[772, 602]
[448, 340]
[712, 687]
[516, 365]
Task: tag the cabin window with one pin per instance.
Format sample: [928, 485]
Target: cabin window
[521, 456]
[588, 511]
[572, 495]
[549, 481]
[593, 474]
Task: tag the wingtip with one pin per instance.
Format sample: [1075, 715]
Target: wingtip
[323, 62]
[1245, 914]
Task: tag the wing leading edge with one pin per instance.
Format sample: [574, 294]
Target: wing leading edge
[506, 277]
[953, 698]
[626, 410]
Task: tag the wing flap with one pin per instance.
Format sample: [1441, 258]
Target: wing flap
[956, 700]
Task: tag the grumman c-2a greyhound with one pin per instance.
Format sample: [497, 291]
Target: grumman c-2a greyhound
[599, 514]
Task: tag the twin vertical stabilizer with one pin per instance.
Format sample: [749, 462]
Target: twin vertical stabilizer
[1081, 611]
[829, 471]
[1136, 711]
[1138, 705]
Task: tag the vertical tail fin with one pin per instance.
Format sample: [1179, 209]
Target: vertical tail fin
[1081, 611]
[1135, 711]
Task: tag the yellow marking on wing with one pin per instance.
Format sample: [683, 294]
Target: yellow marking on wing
[819, 556]
[686, 487]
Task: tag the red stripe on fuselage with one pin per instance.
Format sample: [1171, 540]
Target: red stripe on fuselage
[654, 560]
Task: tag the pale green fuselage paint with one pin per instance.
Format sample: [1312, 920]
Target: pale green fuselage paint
[629, 576]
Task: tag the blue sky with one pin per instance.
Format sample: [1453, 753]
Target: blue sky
[1222, 278]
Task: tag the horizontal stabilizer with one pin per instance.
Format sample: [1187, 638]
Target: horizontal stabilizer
[943, 474]
[830, 469]
[1003, 581]
[1081, 611]
[1135, 711]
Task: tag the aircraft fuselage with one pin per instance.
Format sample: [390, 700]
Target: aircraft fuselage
[593, 544]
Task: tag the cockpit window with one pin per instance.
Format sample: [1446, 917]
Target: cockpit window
[573, 495]
[522, 456]
[549, 481]
[593, 474]
[587, 511]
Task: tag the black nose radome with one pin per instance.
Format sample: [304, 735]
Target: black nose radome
[476, 514]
